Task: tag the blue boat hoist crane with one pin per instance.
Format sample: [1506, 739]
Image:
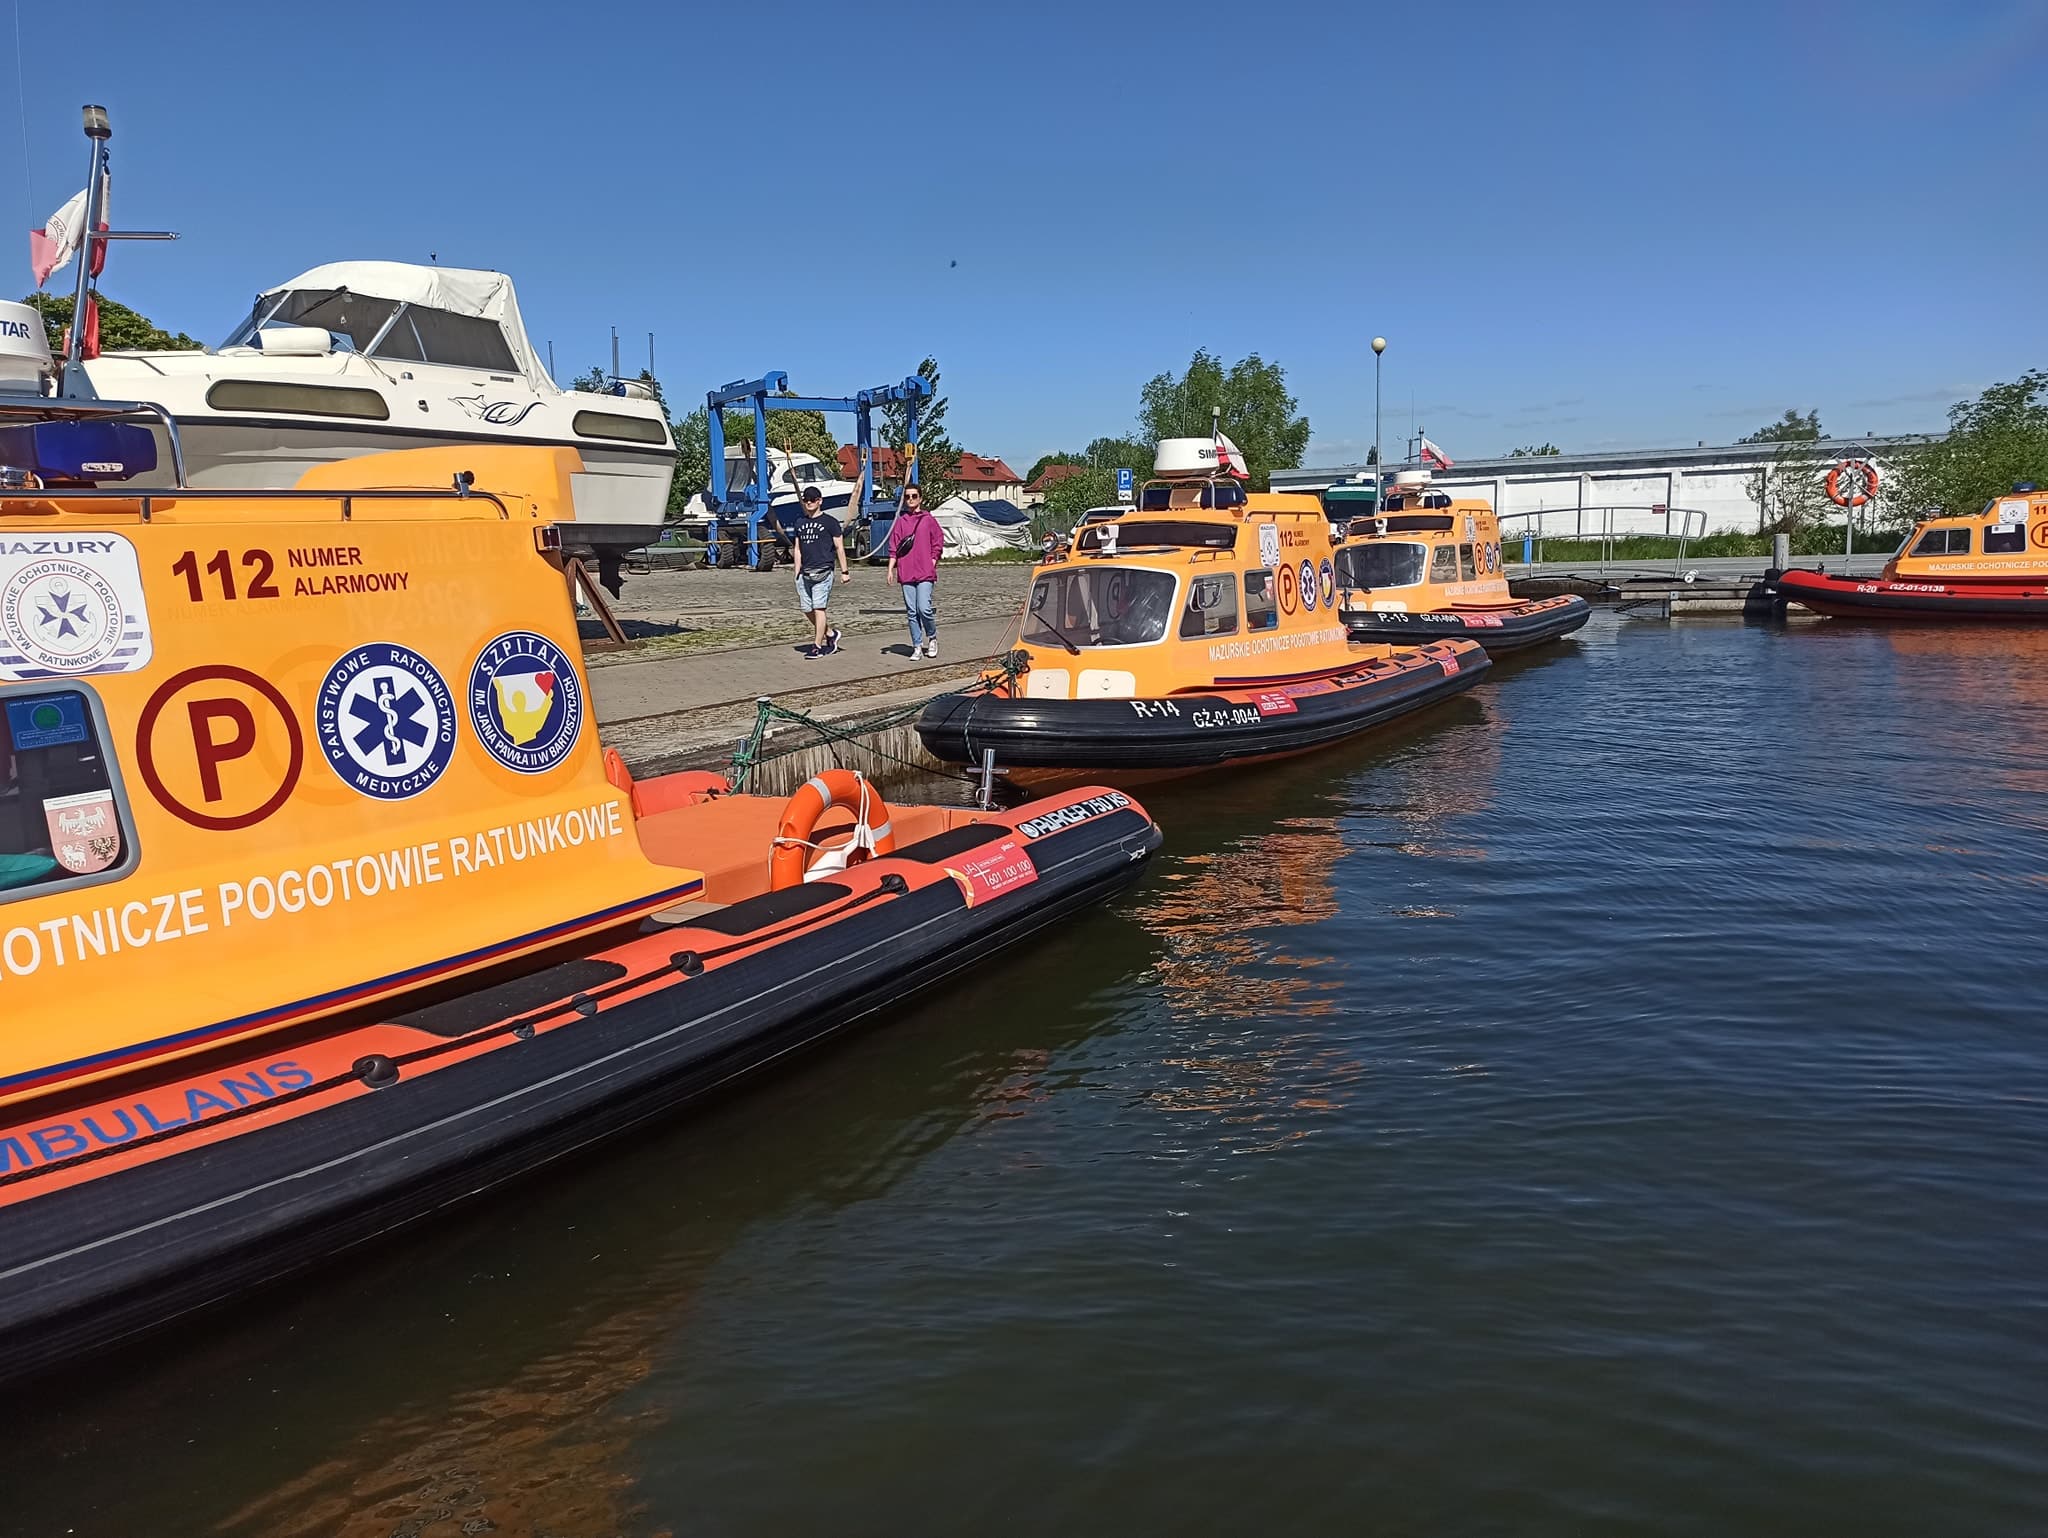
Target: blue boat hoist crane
[753, 503]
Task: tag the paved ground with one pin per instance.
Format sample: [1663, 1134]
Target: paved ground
[708, 643]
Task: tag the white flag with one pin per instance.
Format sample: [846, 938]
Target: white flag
[57, 241]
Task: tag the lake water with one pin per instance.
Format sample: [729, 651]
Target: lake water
[1614, 1103]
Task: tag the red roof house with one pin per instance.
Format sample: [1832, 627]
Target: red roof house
[978, 475]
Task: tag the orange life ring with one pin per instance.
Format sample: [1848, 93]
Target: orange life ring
[835, 787]
[1862, 467]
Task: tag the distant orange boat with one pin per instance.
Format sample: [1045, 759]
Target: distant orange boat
[1428, 565]
[1987, 565]
[1199, 628]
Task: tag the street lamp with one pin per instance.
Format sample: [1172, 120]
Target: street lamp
[1379, 348]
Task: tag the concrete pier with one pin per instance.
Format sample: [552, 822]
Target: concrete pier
[705, 645]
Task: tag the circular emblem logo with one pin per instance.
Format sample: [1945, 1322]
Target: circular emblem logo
[1329, 577]
[386, 721]
[219, 747]
[1287, 589]
[1308, 584]
[524, 702]
[61, 615]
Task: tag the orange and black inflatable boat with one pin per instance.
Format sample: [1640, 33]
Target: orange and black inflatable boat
[1199, 628]
[1990, 565]
[1430, 566]
[322, 906]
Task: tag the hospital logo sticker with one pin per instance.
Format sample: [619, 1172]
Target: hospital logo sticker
[71, 605]
[1308, 584]
[524, 702]
[1328, 574]
[386, 721]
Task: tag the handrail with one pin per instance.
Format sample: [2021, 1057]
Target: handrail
[1692, 525]
[256, 494]
[61, 408]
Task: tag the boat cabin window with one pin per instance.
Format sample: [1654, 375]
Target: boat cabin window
[1211, 610]
[63, 820]
[299, 400]
[1099, 605]
[1382, 565]
[1261, 608]
[424, 335]
[612, 424]
[1153, 533]
[2005, 539]
[1466, 570]
[1443, 563]
[1944, 542]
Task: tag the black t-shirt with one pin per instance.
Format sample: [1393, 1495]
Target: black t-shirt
[816, 534]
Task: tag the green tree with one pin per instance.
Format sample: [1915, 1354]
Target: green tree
[938, 459]
[1038, 465]
[1067, 500]
[1534, 451]
[121, 329]
[1119, 454]
[1792, 427]
[1789, 492]
[1257, 412]
[1993, 442]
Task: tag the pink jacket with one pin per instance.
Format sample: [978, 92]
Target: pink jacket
[921, 564]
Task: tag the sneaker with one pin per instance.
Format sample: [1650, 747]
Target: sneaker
[931, 649]
[813, 653]
[831, 641]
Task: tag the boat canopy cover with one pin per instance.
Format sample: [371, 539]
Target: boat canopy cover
[460, 290]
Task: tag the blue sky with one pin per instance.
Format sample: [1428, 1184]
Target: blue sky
[1599, 225]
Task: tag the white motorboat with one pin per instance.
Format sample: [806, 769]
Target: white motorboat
[358, 358]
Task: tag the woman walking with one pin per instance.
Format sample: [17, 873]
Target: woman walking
[915, 540]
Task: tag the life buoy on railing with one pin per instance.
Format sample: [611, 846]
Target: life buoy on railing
[1861, 478]
[790, 864]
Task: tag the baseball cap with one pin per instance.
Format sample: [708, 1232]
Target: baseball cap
[811, 494]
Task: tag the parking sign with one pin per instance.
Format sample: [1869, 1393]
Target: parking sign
[1124, 482]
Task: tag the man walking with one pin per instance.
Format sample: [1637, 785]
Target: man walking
[820, 552]
[915, 541]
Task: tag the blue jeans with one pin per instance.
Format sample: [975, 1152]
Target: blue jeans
[917, 608]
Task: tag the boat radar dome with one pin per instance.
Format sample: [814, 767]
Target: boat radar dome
[24, 348]
[1411, 480]
[1186, 458]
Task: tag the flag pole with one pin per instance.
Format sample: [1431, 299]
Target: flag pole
[98, 131]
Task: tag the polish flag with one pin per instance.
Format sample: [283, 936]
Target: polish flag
[1432, 455]
[91, 349]
[57, 241]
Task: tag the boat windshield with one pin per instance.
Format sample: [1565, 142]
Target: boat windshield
[804, 473]
[1381, 565]
[351, 319]
[1099, 606]
[401, 333]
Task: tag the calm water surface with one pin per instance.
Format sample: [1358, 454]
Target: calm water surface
[1617, 1103]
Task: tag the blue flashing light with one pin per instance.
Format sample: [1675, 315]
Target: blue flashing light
[2025, 486]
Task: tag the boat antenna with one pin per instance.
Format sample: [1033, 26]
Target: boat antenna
[27, 166]
[551, 360]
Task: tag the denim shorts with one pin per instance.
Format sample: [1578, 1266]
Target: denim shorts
[814, 589]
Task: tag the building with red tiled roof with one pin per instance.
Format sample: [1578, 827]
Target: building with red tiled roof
[979, 475]
[1049, 477]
